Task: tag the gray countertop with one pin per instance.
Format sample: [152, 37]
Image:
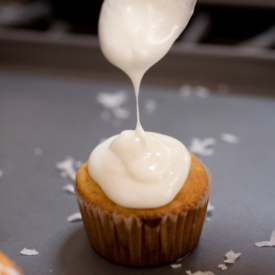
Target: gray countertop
[62, 117]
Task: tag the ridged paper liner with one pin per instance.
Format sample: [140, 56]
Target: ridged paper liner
[144, 242]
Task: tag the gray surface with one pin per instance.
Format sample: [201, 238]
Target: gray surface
[63, 118]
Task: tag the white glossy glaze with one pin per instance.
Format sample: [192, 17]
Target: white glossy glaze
[138, 169]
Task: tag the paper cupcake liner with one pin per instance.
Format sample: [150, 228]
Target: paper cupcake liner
[144, 242]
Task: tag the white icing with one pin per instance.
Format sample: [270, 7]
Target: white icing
[137, 175]
[138, 169]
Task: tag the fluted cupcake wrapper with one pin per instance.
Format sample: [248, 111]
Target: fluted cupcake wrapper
[144, 242]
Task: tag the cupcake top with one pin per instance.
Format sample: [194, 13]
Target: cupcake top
[194, 193]
[137, 169]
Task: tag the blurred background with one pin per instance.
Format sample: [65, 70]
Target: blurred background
[217, 79]
[228, 45]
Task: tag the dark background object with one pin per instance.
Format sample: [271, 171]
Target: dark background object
[82, 15]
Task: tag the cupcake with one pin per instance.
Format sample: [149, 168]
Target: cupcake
[142, 197]
[144, 237]
[7, 267]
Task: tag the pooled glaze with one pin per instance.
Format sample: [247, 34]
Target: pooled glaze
[138, 169]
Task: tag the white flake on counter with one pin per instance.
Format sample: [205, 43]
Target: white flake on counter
[263, 244]
[207, 219]
[78, 164]
[199, 273]
[105, 115]
[229, 138]
[202, 92]
[210, 207]
[68, 188]
[74, 217]
[202, 147]
[29, 252]
[66, 168]
[176, 265]
[1, 173]
[267, 243]
[38, 151]
[222, 266]
[272, 238]
[111, 100]
[121, 113]
[231, 257]
[150, 106]
[185, 90]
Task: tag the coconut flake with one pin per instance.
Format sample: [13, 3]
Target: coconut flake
[74, 217]
[66, 168]
[150, 106]
[68, 188]
[202, 147]
[231, 257]
[121, 113]
[207, 219]
[38, 151]
[222, 266]
[185, 90]
[1, 173]
[262, 244]
[111, 100]
[229, 138]
[176, 265]
[202, 92]
[29, 252]
[267, 243]
[210, 207]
